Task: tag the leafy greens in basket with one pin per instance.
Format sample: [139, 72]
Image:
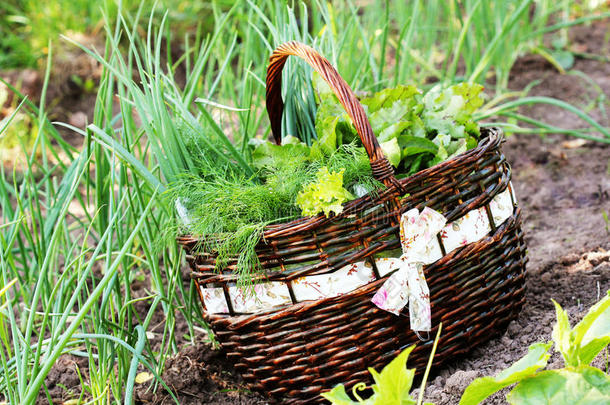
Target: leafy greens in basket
[229, 208]
[415, 131]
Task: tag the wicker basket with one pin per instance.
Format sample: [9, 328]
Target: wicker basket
[295, 351]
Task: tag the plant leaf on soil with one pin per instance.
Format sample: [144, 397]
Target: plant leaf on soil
[583, 385]
[481, 388]
[391, 386]
[580, 345]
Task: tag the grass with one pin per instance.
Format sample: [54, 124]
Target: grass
[79, 226]
[75, 271]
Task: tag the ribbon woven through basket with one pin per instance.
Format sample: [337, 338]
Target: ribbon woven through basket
[421, 248]
[408, 283]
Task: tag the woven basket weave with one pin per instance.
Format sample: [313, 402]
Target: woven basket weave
[294, 352]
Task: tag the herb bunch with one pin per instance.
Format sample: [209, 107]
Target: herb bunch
[229, 208]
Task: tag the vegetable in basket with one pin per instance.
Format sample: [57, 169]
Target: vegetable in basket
[229, 209]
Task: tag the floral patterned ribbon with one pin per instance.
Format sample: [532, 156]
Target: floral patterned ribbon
[408, 283]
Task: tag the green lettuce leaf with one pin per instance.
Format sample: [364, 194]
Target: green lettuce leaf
[455, 148]
[326, 143]
[442, 119]
[290, 152]
[391, 111]
[320, 87]
[391, 150]
[413, 164]
[392, 131]
[471, 94]
[449, 111]
[388, 97]
[413, 145]
[381, 119]
[332, 116]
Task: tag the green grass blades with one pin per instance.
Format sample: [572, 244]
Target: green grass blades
[74, 236]
[326, 194]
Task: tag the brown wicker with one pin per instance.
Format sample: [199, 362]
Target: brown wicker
[296, 352]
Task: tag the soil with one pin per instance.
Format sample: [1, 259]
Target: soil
[64, 380]
[563, 187]
[199, 375]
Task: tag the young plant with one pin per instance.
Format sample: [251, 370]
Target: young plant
[391, 386]
[577, 383]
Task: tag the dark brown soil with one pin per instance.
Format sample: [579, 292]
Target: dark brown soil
[199, 375]
[64, 380]
[563, 188]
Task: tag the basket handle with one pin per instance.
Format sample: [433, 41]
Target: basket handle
[381, 168]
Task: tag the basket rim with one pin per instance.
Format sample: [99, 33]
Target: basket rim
[491, 137]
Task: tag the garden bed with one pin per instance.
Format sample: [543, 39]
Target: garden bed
[563, 187]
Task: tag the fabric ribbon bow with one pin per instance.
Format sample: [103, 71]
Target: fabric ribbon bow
[408, 283]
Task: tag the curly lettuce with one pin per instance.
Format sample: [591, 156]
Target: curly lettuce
[414, 130]
[326, 194]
